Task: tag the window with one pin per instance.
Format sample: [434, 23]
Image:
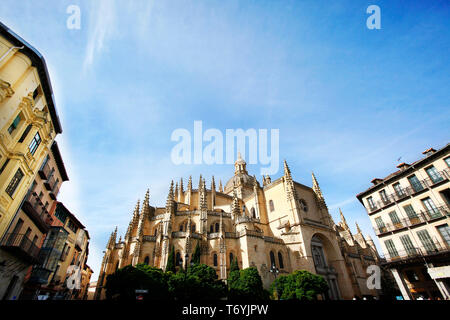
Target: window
[14, 183]
[60, 214]
[211, 228]
[391, 248]
[415, 183]
[25, 133]
[411, 275]
[193, 227]
[181, 227]
[371, 203]
[434, 175]
[146, 260]
[14, 124]
[271, 206]
[398, 189]
[34, 143]
[217, 227]
[380, 224]
[431, 208]
[303, 205]
[72, 226]
[427, 243]
[231, 257]
[407, 244]
[178, 259]
[384, 196]
[272, 259]
[445, 233]
[394, 218]
[447, 161]
[252, 211]
[280, 260]
[4, 166]
[410, 212]
[215, 260]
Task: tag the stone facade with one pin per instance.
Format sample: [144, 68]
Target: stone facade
[280, 224]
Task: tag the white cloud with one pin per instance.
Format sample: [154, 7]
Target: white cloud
[102, 19]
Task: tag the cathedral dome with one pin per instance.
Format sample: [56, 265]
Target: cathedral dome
[241, 176]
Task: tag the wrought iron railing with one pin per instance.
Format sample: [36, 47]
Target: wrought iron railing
[401, 193]
[25, 246]
[422, 216]
[432, 248]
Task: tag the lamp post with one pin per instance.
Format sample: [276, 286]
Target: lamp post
[275, 272]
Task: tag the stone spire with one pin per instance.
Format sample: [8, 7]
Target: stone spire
[170, 202]
[289, 183]
[213, 184]
[358, 230]
[240, 165]
[181, 191]
[112, 239]
[220, 186]
[145, 213]
[235, 208]
[176, 192]
[343, 221]
[317, 190]
[133, 222]
[189, 191]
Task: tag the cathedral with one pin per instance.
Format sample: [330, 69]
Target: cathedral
[278, 227]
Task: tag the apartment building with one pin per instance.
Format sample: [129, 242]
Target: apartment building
[29, 124]
[410, 212]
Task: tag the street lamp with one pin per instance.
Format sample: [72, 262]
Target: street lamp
[275, 272]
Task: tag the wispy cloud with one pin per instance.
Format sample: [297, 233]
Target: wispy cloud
[102, 20]
[342, 204]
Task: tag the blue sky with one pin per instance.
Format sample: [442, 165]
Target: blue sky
[348, 101]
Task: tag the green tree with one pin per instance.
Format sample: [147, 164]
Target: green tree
[247, 286]
[121, 285]
[196, 254]
[198, 282]
[170, 266]
[300, 285]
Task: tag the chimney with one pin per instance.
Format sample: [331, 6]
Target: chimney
[429, 152]
[403, 166]
[376, 181]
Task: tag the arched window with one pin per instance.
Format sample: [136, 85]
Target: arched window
[177, 259]
[253, 213]
[280, 260]
[317, 252]
[181, 227]
[217, 227]
[231, 258]
[215, 260]
[271, 206]
[146, 260]
[117, 265]
[193, 227]
[211, 229]
[272, 259]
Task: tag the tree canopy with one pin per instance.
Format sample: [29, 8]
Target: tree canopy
[300, 285]
[245, 284]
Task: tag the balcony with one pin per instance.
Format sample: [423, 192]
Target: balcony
[21, 246]
[149, 238]
[54, 192]
[431, 249]
[37, 212]
[415, 188]
[178, 234]
[50, 183]
[423, 216]
[44, 172]
[39, 275]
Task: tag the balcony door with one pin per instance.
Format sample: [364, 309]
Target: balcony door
[432, 211]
